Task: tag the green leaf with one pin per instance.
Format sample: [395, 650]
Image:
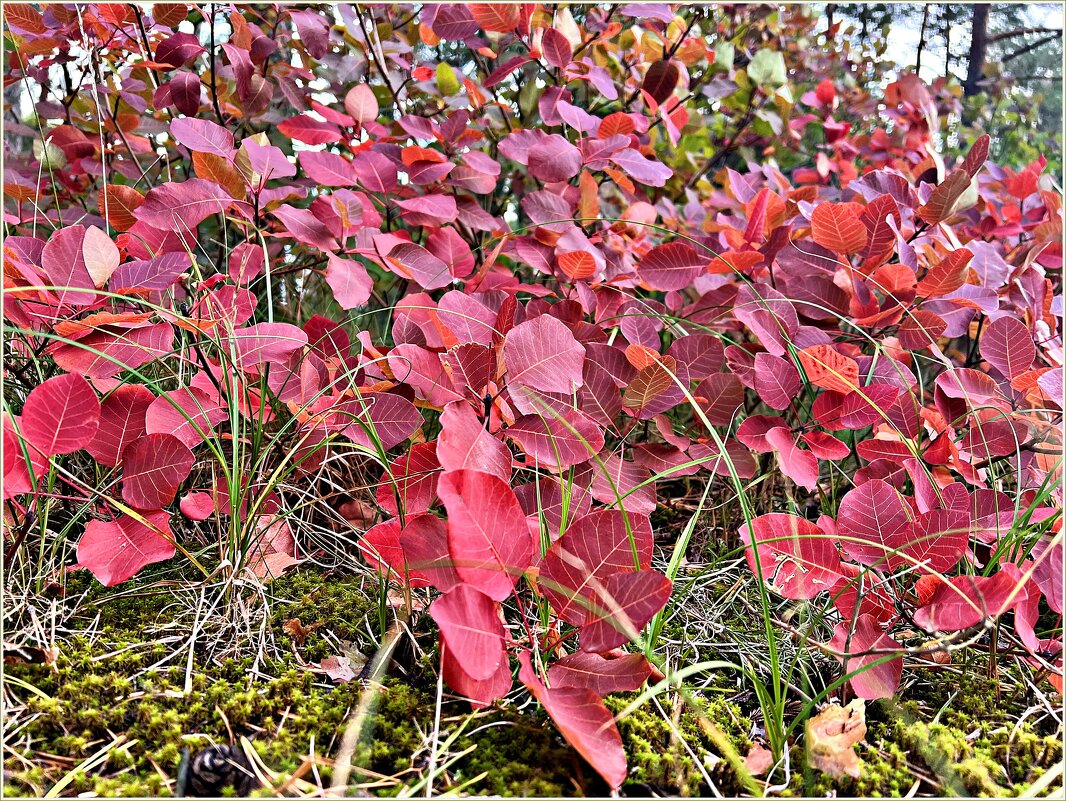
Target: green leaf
[768, 69]
[447, 82]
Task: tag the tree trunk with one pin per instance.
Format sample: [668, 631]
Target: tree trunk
[921, 41]
[978, 49]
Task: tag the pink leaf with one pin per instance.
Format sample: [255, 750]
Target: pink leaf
[873, 521]
[266, 342]
[116, 550]
[62, 415]
[361, 104]
[647, 171]
[1008, 346]
[543, 354]
[470, 623]
[390, 418]
[153, 468]
[349, 281]
[488, 538]
[327, 169]
[776, 380]
[187, 413]
[202, 136]
[799, 465]
[182, 206]
[418, 264]
[554, 159]
[557, 442]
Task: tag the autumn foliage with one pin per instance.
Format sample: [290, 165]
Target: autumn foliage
[564, 260]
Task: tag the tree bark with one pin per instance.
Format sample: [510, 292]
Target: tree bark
[978, 49]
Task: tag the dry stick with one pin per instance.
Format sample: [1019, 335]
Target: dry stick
[353, 731]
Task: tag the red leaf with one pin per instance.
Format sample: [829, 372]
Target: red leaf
[873, 520]
[660, 80]
[543, 354]
[867, 406]
[470, 623]
[798, 559]
[480, 693]
[305, 128]
[837, 226]
[122, 420]
[965, 601]
[583, 721]
[600, 674]
[153, 468]
[464, 443]
[495, 17]
[624, 605]
[826, 367]
[672, 266]
[871, 683]
[116, 550]
[424, 541]
[488, 537]
[594, 547]
[62, 415]
[947, 275]
[411, 481]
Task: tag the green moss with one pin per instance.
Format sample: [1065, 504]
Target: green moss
[956, 734]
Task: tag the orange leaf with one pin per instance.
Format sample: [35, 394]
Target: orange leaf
[496, 17]
[577, 264]
[119, 202]
[947, 275]
[837, 226]
[829, 369]
[218, 169]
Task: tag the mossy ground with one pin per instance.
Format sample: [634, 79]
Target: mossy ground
[101, 721]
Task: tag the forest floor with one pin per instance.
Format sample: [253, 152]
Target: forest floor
[128, 693]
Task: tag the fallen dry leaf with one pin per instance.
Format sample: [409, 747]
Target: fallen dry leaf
[338, 668]
[297, 630]
[759, 760]
[830, 737]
